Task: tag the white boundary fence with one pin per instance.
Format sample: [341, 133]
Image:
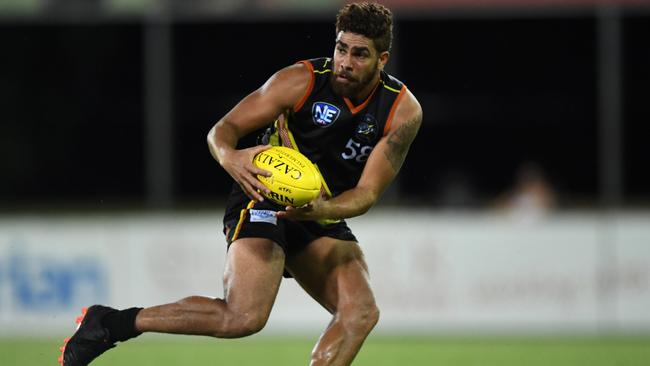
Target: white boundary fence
[432, 272]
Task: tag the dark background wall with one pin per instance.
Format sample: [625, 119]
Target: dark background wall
[497, 92]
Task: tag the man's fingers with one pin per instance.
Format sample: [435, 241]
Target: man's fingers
[296, 213]
[254, 169]
[251, 192]
[286, 213]
[256, 184]
[258, 149]
[259, 171]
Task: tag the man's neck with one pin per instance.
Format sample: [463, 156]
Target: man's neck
[365, 93]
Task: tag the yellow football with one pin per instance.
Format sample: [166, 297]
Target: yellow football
[295, 181]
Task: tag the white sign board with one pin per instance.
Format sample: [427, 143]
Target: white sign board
[431, 272]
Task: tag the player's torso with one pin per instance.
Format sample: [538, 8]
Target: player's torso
[336, 135]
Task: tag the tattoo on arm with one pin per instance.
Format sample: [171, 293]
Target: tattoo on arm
[399, 141]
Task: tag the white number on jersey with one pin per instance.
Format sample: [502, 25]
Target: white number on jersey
[355, 151]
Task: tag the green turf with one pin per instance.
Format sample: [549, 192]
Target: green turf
[378, 351]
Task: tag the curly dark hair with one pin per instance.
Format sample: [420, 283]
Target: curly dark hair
[371, 20]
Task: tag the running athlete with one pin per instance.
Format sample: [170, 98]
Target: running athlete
[356, 123]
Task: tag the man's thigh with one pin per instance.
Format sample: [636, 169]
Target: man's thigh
[252, 275]
[333, 272]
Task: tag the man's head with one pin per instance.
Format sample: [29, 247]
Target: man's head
[370, 20]
[364, 33]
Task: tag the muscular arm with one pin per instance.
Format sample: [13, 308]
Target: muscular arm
[255, 111]
[380, 170]
[399, 140]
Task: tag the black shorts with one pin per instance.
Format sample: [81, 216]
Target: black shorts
[245, 218]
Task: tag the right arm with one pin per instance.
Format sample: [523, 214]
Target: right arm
[281, 92]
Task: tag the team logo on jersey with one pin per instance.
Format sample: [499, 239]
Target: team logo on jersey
[367, 129]
[324, 114]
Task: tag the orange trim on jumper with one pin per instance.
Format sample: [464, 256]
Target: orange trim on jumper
[389, 120]
[242, 217]
[355, 110]
[310, 87]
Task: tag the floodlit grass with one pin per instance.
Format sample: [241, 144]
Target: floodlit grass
[265, 350]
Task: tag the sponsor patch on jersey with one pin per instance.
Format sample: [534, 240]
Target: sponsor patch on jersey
[267, 216]
[366, 129]
[324, 114]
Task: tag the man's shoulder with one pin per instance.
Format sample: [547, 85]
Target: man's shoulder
[391, 83]
[299, 72]
[318, 65]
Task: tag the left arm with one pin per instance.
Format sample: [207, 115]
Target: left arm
[380, 170]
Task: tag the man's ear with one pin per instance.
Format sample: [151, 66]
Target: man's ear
[383, 59]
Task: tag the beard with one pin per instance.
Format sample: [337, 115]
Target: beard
[352, 85]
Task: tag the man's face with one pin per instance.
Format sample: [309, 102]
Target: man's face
[356, 64]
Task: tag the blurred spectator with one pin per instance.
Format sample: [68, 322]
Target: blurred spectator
[457, 190]
[531, 197]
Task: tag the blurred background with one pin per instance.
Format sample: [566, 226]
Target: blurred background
[522, 208]
[110, 100]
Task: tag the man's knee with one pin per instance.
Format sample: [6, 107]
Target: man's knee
[251, 324]
[359, 318]
[242, 325]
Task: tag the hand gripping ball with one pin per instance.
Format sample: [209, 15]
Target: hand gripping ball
[295, 180]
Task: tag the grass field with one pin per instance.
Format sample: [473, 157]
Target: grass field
[378, 351]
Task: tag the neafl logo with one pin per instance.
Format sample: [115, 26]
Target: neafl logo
[324, 114]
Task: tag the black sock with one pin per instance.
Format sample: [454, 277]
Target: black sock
[121, 324]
